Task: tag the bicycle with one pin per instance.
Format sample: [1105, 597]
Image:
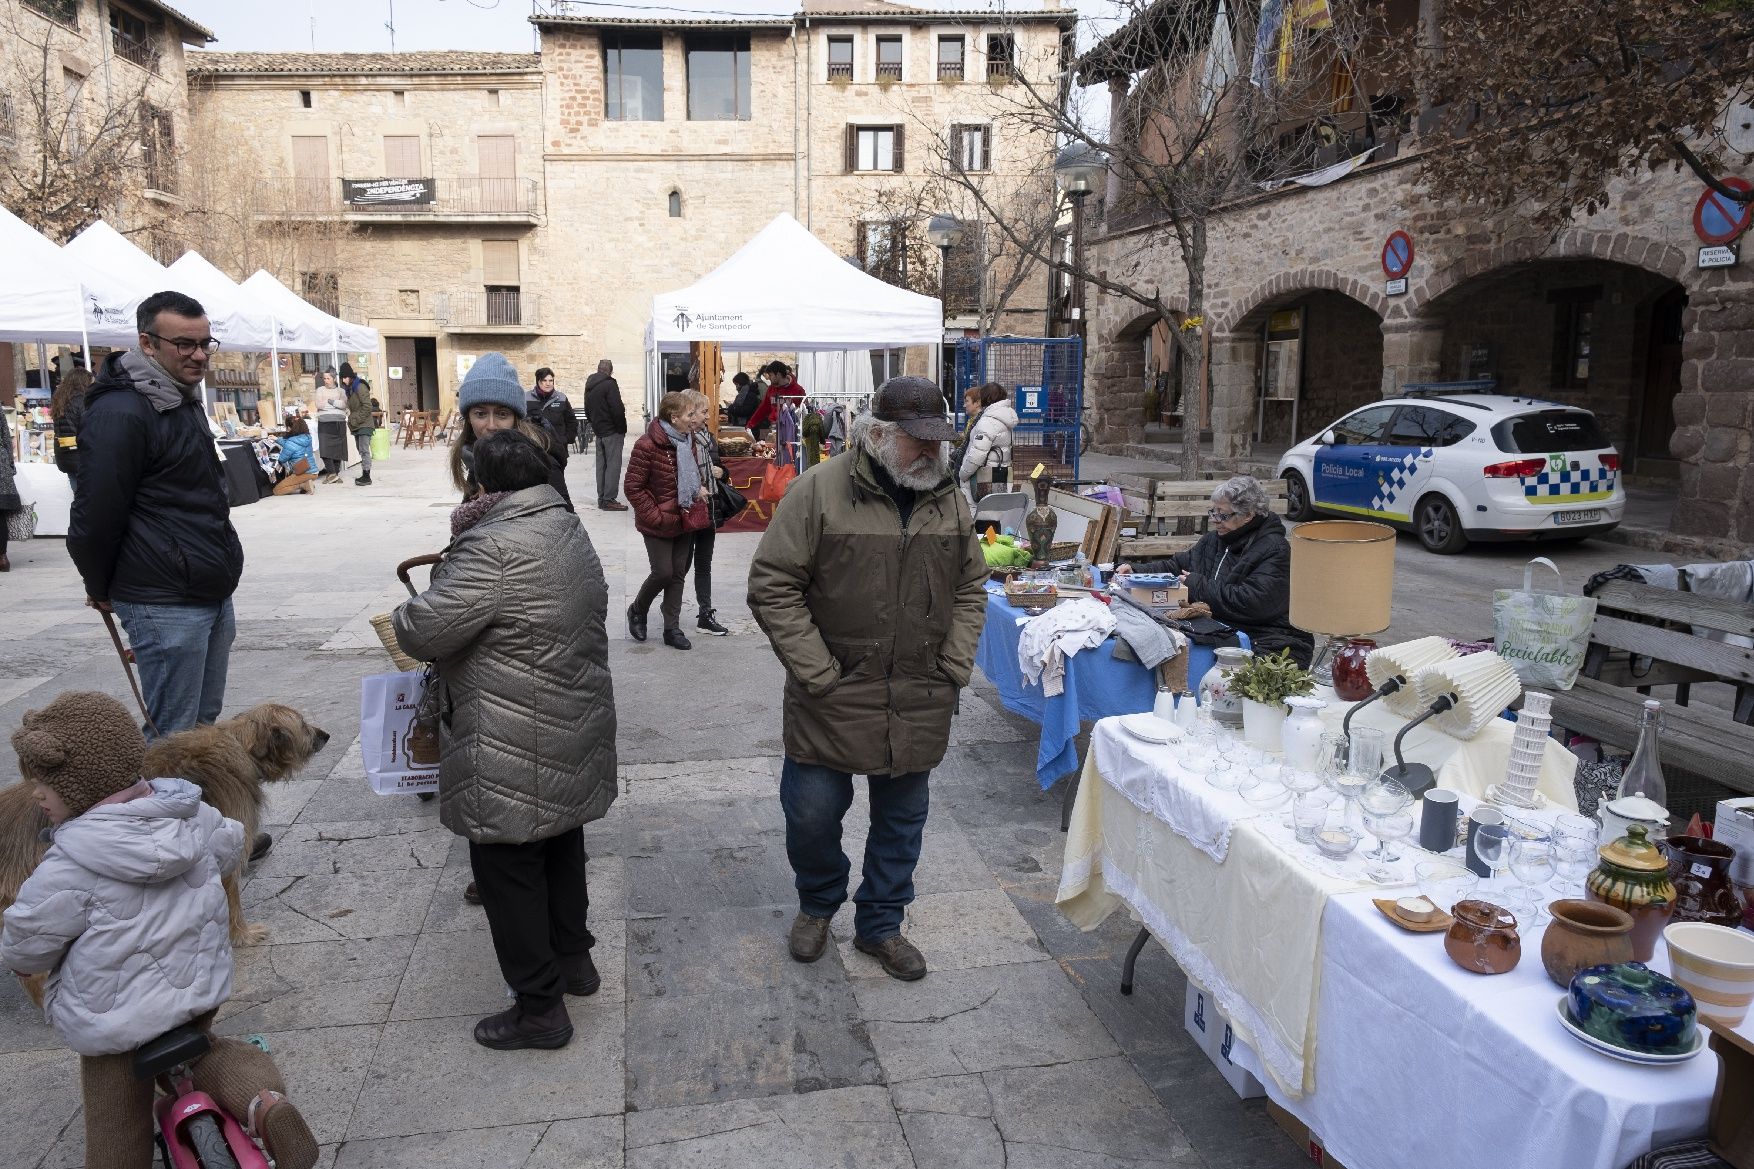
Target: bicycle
[194, 1132]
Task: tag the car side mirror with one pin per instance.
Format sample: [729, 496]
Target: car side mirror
[1328, 438]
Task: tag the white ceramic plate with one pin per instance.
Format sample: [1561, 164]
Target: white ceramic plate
[1650, 1059]
[1150, 728]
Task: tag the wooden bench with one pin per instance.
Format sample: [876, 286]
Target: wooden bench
[1644, 638]
[1162, 505]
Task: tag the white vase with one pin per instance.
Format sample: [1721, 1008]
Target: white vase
[1301, 736]
[1261, 723]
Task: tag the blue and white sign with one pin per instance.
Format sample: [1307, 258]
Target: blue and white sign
[1031, 403]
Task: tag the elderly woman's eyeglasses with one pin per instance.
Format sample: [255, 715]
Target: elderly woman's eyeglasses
[1223, 517]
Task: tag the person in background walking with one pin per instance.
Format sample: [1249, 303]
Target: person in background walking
[492, 399]
[607, 417]
[359, 420]
[66, 408]
[549, 409]
[696, 410]
[668, 485]
[515, 620]
[877, 635]
[987, 459]
[10, 501]
[743, 406]
[151, 530]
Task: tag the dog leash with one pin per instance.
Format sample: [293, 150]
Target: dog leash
[127, 657]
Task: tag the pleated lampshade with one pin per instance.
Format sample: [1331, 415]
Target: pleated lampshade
[1483, 683]
[1405, 660]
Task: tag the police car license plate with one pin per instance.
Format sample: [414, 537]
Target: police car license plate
[1588, 515]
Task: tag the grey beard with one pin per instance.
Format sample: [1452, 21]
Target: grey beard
[922, 474]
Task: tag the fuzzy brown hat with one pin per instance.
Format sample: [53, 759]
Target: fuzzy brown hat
[83, 746]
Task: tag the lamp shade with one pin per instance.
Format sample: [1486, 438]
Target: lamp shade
[1405, 661]
[1342, 576]
[1483, 685]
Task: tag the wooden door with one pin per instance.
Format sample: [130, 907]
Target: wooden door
[1662, 381]
[404, 391]
[310, 173]
[499, 172]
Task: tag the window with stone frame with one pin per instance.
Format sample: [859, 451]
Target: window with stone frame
[60, 11]
[971, 148]
[874, 148]
[633, 77]
[951, 53]
[1001, 56]
[889, 58]
[840, 58]
[1574, 311]
[133, 37]
[882, 249]
[718, 76]
[158, 148]
[73, 132]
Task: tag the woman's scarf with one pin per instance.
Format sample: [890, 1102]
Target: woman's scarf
[687, 469]
[466, 515]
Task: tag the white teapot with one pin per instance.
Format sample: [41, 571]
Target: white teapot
[1621, 814]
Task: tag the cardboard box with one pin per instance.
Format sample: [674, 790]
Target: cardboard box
[1200, 1016]
[1734, 826]
[1212, 1031]
[1158, 599]
[1300, 1134]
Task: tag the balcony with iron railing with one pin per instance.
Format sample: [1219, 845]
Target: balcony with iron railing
[840, 70]
[424, 200]
[889, 70]
[950, 71]
[489, 310]
[140, 52]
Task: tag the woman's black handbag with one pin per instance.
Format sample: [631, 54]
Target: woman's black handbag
[727, 502]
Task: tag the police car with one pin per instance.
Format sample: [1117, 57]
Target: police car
[1452, 468]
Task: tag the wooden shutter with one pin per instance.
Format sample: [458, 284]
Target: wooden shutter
[498, 154]
[402, 156]
[499, 262]
[898, 163]
[310, 172]
[860, 230]
[852, 149]
[987, 147]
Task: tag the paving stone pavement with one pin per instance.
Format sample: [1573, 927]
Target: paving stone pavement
[707, 1045]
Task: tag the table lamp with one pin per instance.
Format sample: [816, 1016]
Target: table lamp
[1481, 685]
[1342, 580]
[1392, 670]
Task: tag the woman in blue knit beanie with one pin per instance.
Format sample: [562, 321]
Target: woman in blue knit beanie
[492, 398]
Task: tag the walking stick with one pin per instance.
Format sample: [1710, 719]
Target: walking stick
[127, 656]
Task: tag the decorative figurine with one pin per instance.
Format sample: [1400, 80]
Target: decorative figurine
[1040, 524]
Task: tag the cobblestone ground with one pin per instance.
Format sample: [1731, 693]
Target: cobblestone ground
[707, 1045]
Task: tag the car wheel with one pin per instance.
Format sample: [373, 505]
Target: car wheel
[1438, 527]
[1297, 505]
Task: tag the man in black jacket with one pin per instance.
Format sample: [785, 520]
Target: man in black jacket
[608, 419]
[151, 526]
[548, 408]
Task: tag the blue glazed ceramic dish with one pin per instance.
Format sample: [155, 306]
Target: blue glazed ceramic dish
[1632, 1006]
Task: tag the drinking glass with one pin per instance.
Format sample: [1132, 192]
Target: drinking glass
[1364, 752]
[1224, 775]
[1531, 862]
[1382, 797]
[1300, 783]
[1309, 812]
[1386, 827]
[1445, 881]
[1492, 844]
[1331, 756]
[1579, 827]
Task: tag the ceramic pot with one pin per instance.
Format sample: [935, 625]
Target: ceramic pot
[1301, 736]
[1584, 934]
[1483, 938]
[1633, 1007]
[1716, 966]
[1700, 870]
[1215, 692]
[1620, 815]
[1351, 679]
[1262, 723]
[1634, 875]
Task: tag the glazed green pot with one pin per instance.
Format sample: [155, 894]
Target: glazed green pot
[1634, 875]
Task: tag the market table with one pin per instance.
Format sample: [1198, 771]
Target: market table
[745, 475]
[1097, 685]
[1389, 1052]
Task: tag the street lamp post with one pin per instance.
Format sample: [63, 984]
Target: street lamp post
[945, 231]
[1078, 169]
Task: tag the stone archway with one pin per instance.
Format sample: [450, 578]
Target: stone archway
[1116, 383]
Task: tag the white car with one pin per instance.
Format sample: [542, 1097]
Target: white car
[1461, 467]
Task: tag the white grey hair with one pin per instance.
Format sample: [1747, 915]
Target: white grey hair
[1244, 493]
[866, 431]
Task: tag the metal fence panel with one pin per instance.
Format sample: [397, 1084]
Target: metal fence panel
[1045, 378]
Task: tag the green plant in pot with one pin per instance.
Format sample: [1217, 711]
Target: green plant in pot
[1264, 683]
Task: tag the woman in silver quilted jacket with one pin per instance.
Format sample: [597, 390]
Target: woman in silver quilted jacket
[514, 620]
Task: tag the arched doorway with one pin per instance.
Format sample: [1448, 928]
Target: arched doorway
[1317, 353]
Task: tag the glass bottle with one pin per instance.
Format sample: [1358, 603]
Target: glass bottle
[1644, 774]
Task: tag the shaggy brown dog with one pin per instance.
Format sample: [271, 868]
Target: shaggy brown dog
[229, 762]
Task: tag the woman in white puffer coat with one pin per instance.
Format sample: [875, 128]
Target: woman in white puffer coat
[988, 457]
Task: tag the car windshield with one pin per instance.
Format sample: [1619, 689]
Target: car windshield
[1551, 431]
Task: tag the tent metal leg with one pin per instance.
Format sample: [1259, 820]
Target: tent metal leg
[1133, 959]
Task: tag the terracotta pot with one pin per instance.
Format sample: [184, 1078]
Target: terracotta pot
[1634, 875]
[1584, 934]
[1483, 938]
[1351, 678]
[1700, 870]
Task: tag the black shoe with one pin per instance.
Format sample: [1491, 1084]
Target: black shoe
[363, 481]
[706, 624]
[636, 624]
[514, 1028]
[808, 937]
[581, 973]
[259, 847]
[676, 639]
[471, 894]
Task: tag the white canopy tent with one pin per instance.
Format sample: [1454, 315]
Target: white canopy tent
[823, 303]
[338, 336]
[40, 296]
[116, 276]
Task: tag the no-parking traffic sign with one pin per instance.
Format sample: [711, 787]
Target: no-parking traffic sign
[1719, 219]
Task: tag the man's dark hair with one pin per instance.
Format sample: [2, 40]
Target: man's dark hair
[507, 461]
[742, 379]
[544, 372]
[146, 316]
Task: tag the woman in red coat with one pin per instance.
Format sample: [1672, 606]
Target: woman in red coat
[669, 486]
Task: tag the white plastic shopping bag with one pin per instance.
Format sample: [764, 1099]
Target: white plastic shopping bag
[1542, 635]
[400, 757]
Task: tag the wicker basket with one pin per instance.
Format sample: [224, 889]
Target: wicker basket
[386, 631]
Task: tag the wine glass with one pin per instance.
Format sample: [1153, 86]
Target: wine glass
[1492, 844]
[1382, 798]
[1444, 881]
[1531, 862]
[1301, 783]
[1574, 852]
[1386, 827]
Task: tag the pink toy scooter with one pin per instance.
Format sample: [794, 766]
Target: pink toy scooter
[194, 1132]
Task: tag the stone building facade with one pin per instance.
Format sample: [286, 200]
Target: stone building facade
[1612, 313]
[641, 155]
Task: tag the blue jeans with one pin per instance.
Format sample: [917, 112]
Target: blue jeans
[182, 652]
[815, 800]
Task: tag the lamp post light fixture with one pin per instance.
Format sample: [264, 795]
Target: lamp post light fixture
[944, 231]
[1078, 169]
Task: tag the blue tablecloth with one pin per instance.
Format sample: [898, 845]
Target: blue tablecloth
[1097, 686]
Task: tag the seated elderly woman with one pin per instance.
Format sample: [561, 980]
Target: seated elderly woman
[1241, 569]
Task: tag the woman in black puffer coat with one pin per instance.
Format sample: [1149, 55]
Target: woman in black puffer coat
[1241, 569]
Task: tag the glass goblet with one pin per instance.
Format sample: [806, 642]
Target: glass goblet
[1531, 862]
[1382, 797]
[1300, 783]
[1387, 827]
